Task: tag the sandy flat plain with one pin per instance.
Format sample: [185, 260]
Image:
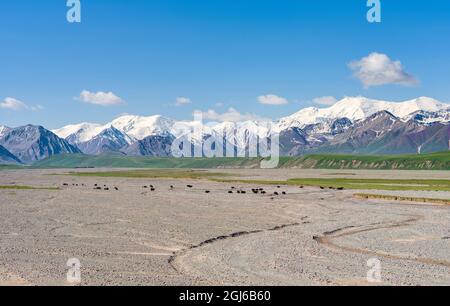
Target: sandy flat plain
[186, 236]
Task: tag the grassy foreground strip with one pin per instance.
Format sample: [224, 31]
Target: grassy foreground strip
[399, 198]
[176, 174]
[14, 187]
[376, 184]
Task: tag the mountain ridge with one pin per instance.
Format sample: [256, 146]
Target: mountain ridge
[31, 143]
[7, 157]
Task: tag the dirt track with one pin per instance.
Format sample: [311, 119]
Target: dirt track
[186, 236]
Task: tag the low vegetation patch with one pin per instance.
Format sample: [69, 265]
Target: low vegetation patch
[376, 184]
[11, 167]
[15, 187]
[401, 198]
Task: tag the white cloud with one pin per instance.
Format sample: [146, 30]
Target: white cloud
[36, 108]
[100, 98]
[183, 101]
[231, 115]
[272, 100]
[327, 100]
[17, 105]
[378, 69]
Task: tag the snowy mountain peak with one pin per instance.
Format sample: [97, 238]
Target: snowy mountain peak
[426, 117]
[140, 127]
[115, 135]
[3, 130]
[78, 133]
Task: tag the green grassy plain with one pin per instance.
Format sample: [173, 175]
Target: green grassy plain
[433, 161]
[86, 161]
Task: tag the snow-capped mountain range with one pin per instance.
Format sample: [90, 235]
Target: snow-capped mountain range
[352, 125]
[352, 108]
[357, 108]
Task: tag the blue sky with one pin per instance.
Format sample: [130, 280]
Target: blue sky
[219, 54]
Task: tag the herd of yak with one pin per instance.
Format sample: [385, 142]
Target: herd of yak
[232, 190]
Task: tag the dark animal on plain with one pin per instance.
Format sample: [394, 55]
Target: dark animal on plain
[243, 191]
[284, 192]
[207, 191]
[322, 187]
[239, 191]
[152, 189]
[97, 188]
[190, 186]
[65, 184]
[145, 187]
[278, 187]
[301, 187]
[151, 186]
[107, 189]
[263, 192]
[341, 188]
[172, 187]
[233, 187]
[230, 192]
[276, 193]
[117, 189]
[96, 185]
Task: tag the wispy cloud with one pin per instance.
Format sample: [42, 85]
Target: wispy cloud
[272, 99]
[17, 105]
[183, 101]
[327, 100]
[231, 115]
[100, 98]
[378, 69]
